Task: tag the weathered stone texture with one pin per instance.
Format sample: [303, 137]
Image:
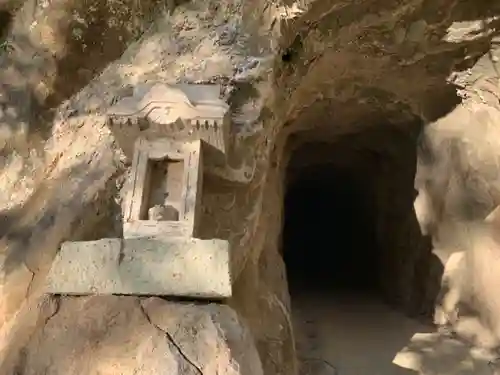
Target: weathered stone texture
[128, 335]
[339, 70]
[443, 357]
[62, 208]
[469, 302]
[181, 112]
[167, 266]
[164, 172]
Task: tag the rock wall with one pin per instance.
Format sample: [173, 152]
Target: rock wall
[128, 335]
[458, 187]
[53, 49]
[81, 162]
[318, 73]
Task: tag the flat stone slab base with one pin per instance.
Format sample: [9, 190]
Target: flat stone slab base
[143, 266]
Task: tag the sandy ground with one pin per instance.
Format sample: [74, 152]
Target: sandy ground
[341, 334]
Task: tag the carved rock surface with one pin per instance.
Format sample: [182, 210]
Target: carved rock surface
[178, 111]
[129, 336]
[164, 104]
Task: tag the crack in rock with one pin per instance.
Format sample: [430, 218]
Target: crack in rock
[57, 302]
[28, 289]
[170, 339]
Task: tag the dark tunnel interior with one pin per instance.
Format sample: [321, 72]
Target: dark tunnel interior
[329, 235]
[5, 23]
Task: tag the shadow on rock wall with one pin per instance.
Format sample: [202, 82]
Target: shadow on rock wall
[97, 34]
[49, 58]
[36, 76]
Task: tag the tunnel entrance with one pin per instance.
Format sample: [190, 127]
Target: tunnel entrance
[355, 258]
[329, 234]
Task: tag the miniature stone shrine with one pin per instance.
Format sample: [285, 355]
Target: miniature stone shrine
[160, 253]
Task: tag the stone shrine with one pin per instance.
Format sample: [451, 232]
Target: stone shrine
[159, 253]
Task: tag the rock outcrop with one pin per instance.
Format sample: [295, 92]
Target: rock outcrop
[130, 335]
[382, 75]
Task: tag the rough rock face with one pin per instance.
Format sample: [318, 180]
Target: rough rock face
[457, 180]
[131, 335]
[339, 70]
[468, 303]
[42, 209]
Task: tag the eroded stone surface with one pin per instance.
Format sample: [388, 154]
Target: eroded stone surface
[127, 335]
[143, 266]
[448, 356]
[469, 303]
[65, 208]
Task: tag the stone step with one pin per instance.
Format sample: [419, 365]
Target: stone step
[168, 266]
[149, 228]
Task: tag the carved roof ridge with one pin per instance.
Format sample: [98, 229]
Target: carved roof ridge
[162, 95]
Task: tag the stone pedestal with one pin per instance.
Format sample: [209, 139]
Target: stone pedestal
[143, 266]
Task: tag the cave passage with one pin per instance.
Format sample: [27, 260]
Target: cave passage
[329, 236]
[346, 240]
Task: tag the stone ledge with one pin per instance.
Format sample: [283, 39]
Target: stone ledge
[143, 266]
[152, 228]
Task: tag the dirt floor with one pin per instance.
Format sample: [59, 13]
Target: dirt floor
[356, 334]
